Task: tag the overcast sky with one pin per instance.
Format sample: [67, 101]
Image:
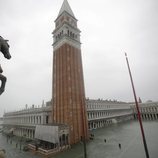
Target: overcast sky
[108, 29]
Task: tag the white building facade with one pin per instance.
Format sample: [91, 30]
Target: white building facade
[23, 122]
[148, 110]
[100, 113]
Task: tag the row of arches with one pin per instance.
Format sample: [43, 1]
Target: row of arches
[147, 116]
[99, 124]
[92, 115]
[147, 109]
[28, 133]
[105, 122]
[29, 119]
[69, 33]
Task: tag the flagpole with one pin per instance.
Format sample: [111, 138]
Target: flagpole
[138, 111]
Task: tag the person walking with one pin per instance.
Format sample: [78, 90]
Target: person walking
[119, 146]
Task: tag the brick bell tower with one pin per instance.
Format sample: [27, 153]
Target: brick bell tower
[68, 84]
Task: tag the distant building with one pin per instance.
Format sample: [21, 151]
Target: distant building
[35, 123]
[100, 113]
[148, 110]
[23, 122]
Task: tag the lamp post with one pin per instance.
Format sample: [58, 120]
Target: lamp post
[84, 132]
[20, 142]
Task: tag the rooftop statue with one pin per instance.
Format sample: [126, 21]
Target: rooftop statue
[4, 48]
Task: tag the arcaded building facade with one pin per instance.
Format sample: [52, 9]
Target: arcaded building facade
[148, 110]
[24, 122]
[101, 112]
[68, 85]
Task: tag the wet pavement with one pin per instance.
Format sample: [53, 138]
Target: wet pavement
[13, 150]
[105, 144]
[127, 134]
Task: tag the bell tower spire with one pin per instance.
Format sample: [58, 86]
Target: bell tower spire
[66, 29]
[66, 8]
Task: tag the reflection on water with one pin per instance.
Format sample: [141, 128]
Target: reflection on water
[127, 134]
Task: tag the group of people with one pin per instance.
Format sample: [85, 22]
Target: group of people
[119, 144]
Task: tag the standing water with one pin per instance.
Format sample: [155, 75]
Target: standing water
[105, 143]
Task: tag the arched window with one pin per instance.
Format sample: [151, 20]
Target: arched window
[39, 119]
[47, 118]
